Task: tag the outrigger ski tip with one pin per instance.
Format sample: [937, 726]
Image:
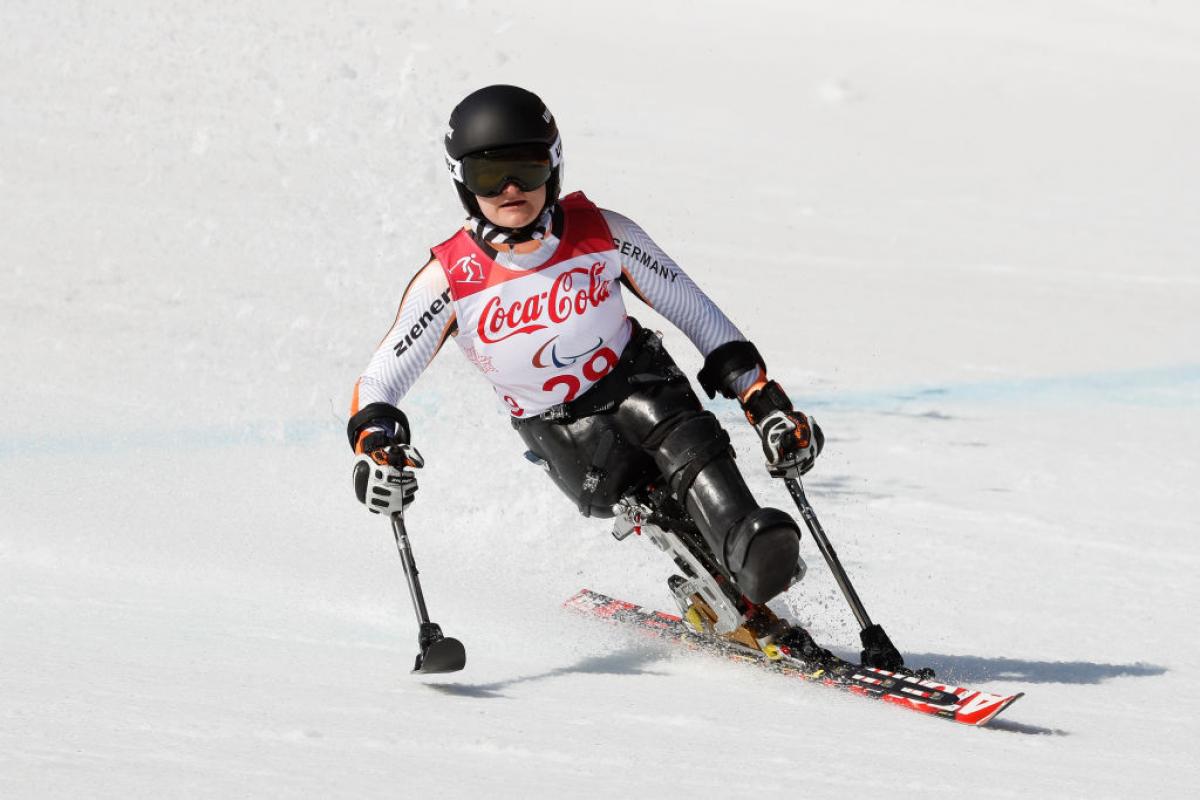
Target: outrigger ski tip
[444, 655]
[955, 703]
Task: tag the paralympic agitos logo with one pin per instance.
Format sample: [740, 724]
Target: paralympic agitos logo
[567, 296]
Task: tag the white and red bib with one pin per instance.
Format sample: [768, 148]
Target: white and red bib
[545, 334]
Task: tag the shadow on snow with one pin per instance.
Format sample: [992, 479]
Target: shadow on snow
[629, 661]
[1009, 726]
[971, 670]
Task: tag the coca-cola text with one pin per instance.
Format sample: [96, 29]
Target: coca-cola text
[499, 322]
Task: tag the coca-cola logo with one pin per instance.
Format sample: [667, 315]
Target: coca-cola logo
[566, 297]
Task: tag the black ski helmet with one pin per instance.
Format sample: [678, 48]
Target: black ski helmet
[501, 116]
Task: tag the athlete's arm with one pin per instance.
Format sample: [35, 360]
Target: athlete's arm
[661, 284]
[423, 321]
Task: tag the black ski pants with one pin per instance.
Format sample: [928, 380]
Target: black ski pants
[643, 424]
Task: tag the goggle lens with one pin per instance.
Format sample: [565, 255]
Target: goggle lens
[487, 173]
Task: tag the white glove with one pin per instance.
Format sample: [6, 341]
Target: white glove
[383, 480]
[791, 441]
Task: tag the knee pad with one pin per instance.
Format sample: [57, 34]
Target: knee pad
[756, 523]
[765, 549]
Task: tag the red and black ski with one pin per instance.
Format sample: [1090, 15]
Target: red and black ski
[955, 703]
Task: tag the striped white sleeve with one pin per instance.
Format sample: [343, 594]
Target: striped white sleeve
[665, 287]
[423, 321]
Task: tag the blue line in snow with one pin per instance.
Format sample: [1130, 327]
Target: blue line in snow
[1170, 387]
[290, 432]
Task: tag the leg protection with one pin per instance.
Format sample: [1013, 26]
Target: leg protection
[588, 459]
[759, 546]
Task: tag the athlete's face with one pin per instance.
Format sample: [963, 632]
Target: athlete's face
[513, 208]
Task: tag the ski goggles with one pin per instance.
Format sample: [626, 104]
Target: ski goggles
[486, 173]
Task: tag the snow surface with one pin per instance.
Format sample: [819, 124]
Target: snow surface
[963, 234]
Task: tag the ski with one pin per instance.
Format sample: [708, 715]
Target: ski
[955, 703]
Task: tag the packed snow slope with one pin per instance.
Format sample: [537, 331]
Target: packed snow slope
[963, 234]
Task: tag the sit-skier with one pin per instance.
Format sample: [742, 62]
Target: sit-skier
[531, 290]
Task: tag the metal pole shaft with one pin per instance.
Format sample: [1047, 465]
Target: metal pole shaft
[835, 566]
[410, 568]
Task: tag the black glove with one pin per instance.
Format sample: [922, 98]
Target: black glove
[791, 441]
